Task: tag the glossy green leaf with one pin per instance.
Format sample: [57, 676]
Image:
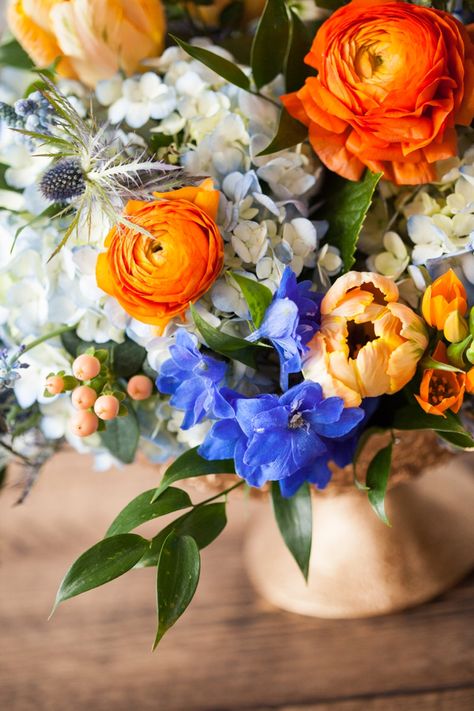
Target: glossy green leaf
[413, 417]
[295, 521]
[121, 437]
[270, 44]
[377, 478]
[190, 465]
[223, 67]
[300, 43]
[363, 440]
[462, 440]
[203, 523]
[13, 55]
[105, 561]
[141, 510]
[345, 210]
[230, 346]
[177, 578]
[290, 132]
[457, 351]
[258, 297]
[127, 358]
[429, 362]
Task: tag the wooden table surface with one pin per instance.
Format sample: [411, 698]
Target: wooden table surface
[230, 652]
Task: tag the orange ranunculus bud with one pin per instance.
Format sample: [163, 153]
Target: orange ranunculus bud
[155, 279]
[393, 80]
[94, 39]
[441, 390]
[445, 295]
[368, 344]
[470, 381]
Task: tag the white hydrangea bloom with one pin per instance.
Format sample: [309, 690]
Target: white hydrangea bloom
[250, 240]
[136, 100]
[394, 260]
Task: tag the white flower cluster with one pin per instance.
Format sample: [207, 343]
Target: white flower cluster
[211, 128]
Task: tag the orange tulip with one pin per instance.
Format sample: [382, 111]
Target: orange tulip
[443, 297]
[155, 278]
[441, 390]
[368, 344]
[95, 39]
[393, 80]
[470, 380]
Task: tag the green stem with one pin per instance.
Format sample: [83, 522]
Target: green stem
[14, 452]
[266, 98]
[38, 341]
[221, 493]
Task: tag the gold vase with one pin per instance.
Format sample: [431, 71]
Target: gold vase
[359, 567]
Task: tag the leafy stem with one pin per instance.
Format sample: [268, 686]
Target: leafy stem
[221, 493]
[38, 341]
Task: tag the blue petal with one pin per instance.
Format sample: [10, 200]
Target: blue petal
[349, 419]
[270, 447]
[290, 485]
[247, 408]
[328, 411]
[305, 447]
[274, 418]
[221, 440]
[304, 396]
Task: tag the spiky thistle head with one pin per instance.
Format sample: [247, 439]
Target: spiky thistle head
[93, 168]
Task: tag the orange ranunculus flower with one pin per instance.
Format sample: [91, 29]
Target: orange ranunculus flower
[94, 38]
[443, 297]
[441, 390]
[393, 80]
[368, 344]
[155, 279]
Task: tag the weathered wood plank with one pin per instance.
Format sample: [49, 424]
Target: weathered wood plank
[231, 650]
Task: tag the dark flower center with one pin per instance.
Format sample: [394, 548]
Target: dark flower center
[358, 334]
[296, 420]
[442, 387]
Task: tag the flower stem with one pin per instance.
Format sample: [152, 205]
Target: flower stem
[266, 98]
[38, 341]
[221, 493]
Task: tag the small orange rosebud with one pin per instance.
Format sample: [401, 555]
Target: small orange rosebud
[470, 381]
[441, 390]
[445, 295]
[155, 279]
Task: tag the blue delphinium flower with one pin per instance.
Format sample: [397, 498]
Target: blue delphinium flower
[289, 439]
[193, 380]
[290, 322]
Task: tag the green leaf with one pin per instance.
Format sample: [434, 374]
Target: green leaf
[223, 67]
[377, 477]
[127, 358]
[290, 132]
[203, 523]
[413, 417]
[141, 510]
[121, 437]
[462, 440]
[177, 579]
[345, 211]
[258, 297]
[105, 561]
[300, 44]
[189, 465]
[456, 352]
[12, 54]
[429, 362]
[230, 346]
[295, 521]
[270, 45]
[363, 439]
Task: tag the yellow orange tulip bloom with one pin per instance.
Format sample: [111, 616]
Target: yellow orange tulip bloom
[369, 344]
[94, 39]
[441, 390]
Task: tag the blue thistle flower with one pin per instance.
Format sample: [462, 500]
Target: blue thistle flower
[64, 181]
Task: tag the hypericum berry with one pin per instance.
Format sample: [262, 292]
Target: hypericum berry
[140, 387]
[83, 397]
[106, 407]
[83, 423]
[86, 367]
[54, 384]
[63, 181]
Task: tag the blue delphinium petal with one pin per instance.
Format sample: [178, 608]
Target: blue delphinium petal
[290, 322]
[193, 379]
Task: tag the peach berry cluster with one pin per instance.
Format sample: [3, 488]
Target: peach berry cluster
[92, 395]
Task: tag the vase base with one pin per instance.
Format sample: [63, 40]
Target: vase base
[359, 567]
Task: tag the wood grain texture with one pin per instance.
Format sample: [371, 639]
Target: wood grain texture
[230, 652]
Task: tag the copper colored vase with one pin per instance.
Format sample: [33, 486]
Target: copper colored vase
[359, 567]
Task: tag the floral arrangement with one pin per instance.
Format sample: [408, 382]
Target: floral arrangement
[237, 237]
